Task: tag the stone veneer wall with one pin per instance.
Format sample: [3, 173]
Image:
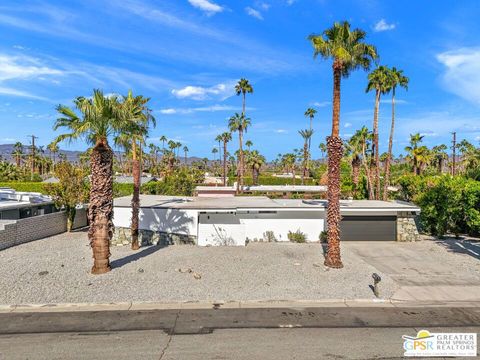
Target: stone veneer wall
[407, 229]
[15, 232]
[122, 236]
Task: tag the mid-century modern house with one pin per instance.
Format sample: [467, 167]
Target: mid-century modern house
[231, 220]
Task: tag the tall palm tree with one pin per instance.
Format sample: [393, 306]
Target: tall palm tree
[310, 113]
[415, 140]
[226, 137]
[53, 148]
[355, 152]
[349, 52]
[239, 123]
[378, 80]
[255, 161]
[364, 137]
[18, 153]
[323, 149]
[219, 140]
[138, 117]
[243, 87]
[248, 144]
[439, 156]
[306, 135]
[163, 139]
[396, 78]
[214, 152]
[288, 163]
[99, 118]
[185, 151]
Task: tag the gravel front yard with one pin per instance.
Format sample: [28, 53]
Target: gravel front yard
[56, 270]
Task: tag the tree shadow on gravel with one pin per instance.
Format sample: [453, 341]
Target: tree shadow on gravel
[135, 256]
[461, 246]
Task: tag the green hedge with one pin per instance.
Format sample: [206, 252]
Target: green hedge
[449, 204]
[25, 186]
[118, 189]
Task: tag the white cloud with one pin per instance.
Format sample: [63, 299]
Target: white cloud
[291, 2]
[23, 67]
[222, 91]
[382, 25]
[281, 131]
[397, 101]
[462, 75]
[212, 108]
[208, 6]
[477, 138]
[254, 13]
[14, 92]
[321, 103]
[347, 125]
[168, 111]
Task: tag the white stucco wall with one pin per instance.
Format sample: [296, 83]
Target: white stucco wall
[220, 229]
[176, 221]
[225, 228]
[310, 223]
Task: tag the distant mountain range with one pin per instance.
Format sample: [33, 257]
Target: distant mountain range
[7, 149]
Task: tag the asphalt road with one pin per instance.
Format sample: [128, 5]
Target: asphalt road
[316, 333]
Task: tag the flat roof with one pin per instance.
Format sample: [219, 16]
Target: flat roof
[256, 202]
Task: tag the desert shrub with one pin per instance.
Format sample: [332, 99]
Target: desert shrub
[120, 189]
[450, 205]
[411, 186]
[70, 191]
[269, 236]
[323, 237]
[181, 183]
[297, 236]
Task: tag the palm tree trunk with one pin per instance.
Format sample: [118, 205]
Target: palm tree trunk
[240, 136]
[224, 163]
[135, 197]
[335, 152]
[389, 155]
[375, 145]
[100, 211]
[355, 174]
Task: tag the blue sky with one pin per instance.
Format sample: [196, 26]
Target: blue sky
[187, 55]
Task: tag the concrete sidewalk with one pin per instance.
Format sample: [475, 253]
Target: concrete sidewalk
[215, 305]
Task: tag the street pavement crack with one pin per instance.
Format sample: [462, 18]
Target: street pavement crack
[170, 336]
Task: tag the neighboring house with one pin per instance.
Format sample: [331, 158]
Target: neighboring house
[26, 216]
[121, 179]
[235, 220]
[19, 205]
[286, 190]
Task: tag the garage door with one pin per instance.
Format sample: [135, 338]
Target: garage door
[368, 228]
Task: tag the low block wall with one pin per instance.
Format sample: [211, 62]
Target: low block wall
[15, 232]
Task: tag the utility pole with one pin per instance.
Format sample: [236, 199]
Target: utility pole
[454, 145]
[32, 154]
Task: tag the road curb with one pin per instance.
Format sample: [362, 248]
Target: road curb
[222, 304]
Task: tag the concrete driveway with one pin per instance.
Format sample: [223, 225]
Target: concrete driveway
[428, 270]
